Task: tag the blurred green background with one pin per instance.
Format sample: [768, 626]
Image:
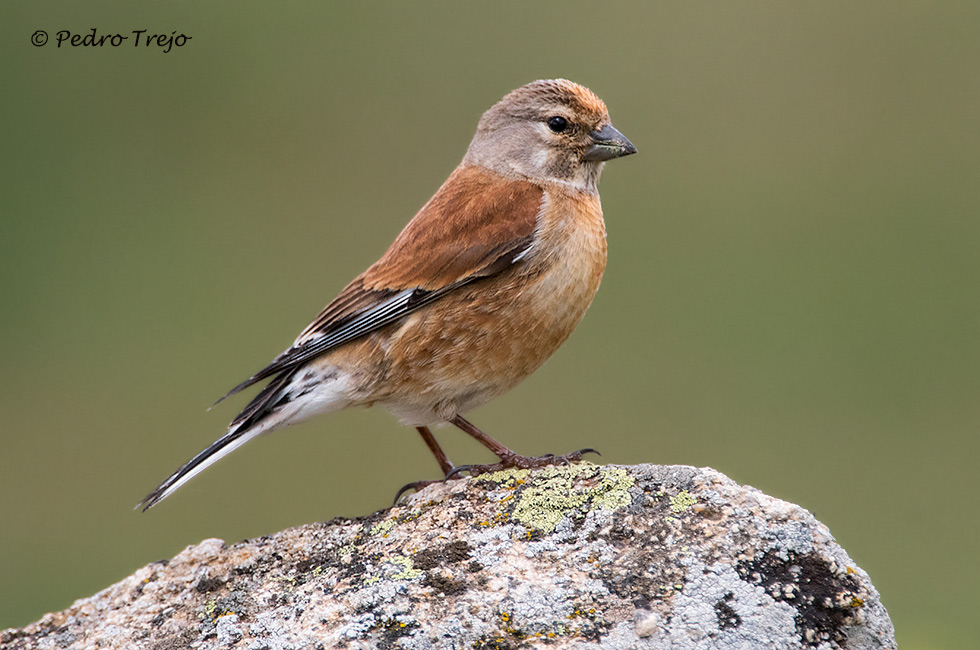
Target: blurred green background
[792, 297]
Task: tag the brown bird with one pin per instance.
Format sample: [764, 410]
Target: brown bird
[480, 288]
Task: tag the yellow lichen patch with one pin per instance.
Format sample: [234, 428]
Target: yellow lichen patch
[555, 492]
[682, 501]
[408, 572]
[346, 549]
[505, 477]
[404, 569]
[612, 493]
[383, 528]
[498, 519]
[411, 516]
[583, 613]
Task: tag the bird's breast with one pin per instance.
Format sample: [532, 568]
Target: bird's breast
[569, 258]
[481, 341]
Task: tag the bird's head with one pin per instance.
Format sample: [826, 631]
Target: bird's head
[550, 131]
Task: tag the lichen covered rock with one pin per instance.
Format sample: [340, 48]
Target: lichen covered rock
[567, 557]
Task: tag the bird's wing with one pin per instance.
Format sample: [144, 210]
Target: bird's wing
[478, 224]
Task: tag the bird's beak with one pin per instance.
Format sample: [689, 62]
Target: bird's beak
[608, 143]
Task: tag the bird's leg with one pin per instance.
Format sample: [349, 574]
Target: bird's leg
[508, 458]
[503, 453]
[446, 465]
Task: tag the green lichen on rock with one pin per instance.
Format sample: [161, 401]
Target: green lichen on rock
[557, 492]
[403, 569]
[408, 572]
[383, 528]
[681, 502]
[347, 549]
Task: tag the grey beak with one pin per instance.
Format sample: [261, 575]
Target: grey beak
[608, 143]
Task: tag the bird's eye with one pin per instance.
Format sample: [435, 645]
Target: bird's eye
[557, 123]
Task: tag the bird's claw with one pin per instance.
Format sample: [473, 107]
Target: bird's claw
[456, 471]
[419, 485]
[415, 485]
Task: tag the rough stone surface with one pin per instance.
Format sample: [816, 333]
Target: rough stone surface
[568, 557]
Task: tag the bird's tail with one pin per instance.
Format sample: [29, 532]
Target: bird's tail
[250, 423]
[235, 438]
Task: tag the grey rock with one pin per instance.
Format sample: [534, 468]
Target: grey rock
[585, 557]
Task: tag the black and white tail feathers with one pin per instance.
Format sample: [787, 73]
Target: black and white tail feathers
[247, 425]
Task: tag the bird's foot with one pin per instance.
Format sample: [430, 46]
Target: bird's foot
[417, 486]
[522, 462]
[507, 462]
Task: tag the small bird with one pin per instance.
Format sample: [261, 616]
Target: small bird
[486, 281]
